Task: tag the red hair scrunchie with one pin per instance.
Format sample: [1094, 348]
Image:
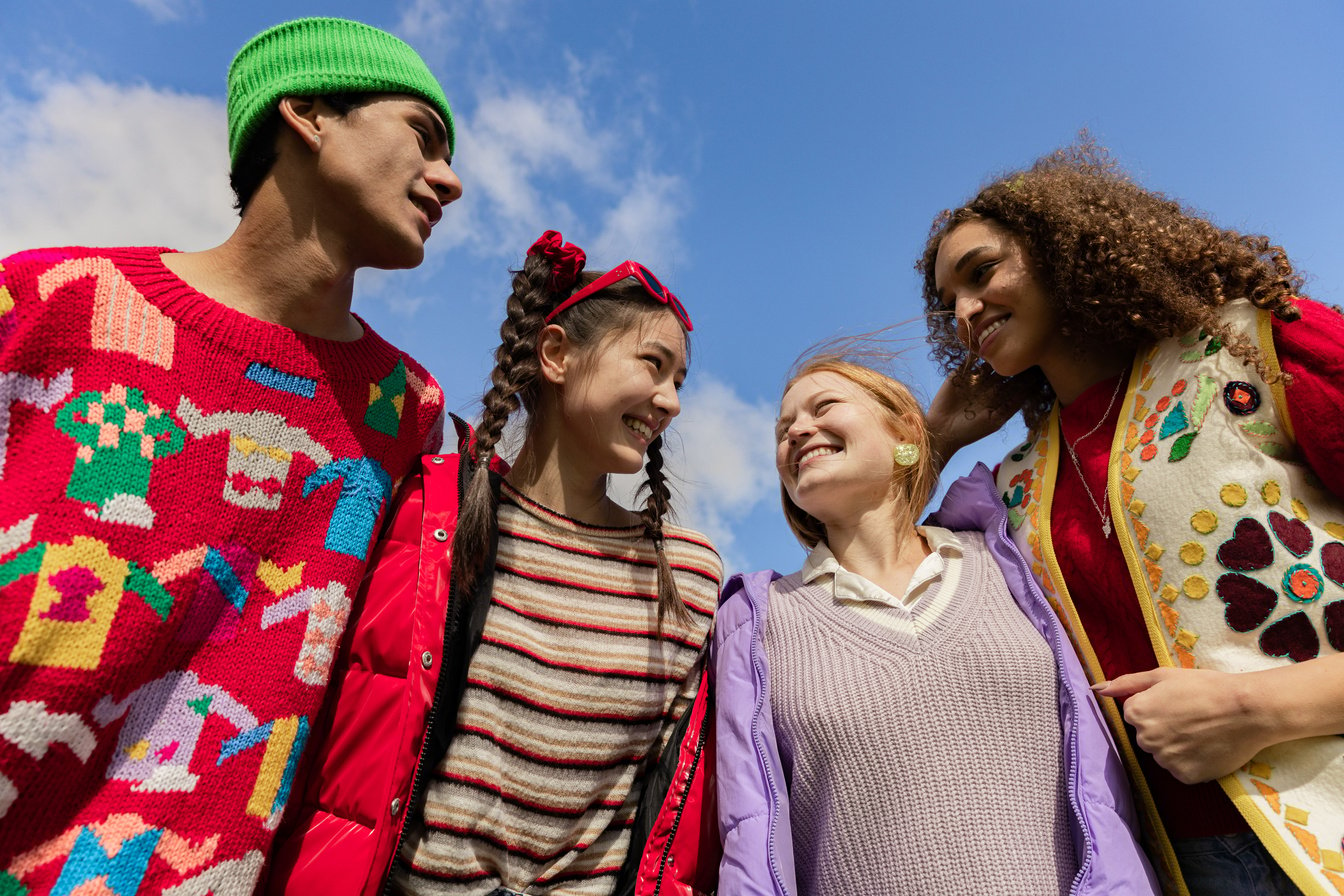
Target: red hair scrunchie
[566, 259]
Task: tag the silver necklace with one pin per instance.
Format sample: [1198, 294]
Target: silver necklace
[1103, 510]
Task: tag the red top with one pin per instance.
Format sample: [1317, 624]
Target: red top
[1094, 570]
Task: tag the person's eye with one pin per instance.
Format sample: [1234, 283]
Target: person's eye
[981, 271]
[822, 407]
[654, 361]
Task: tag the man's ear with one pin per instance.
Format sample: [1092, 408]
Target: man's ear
[555, 352]
[304, 115]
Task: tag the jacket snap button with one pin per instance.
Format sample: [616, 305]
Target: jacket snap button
[426, 659]
[396, 806]
[440, 534]
[436, 460]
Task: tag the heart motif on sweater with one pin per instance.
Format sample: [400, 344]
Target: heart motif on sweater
[1334, 624]
[1249, 602]
[1292, 636]
[1248, 548]
[1332, 561]
[1292, 533]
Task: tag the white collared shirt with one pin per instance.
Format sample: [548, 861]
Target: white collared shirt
[942, 567]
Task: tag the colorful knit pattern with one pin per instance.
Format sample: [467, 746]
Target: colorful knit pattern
[569, 691]
[187, 496]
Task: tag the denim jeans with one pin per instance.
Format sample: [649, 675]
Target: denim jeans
[1231, 865]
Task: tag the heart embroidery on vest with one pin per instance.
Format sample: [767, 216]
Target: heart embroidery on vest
[1334, 624]
[1332, 561]
[1292, 532]
[1249, 603]
[1292, 636]
[1248, 548]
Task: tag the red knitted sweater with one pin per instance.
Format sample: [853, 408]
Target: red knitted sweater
[187, 497]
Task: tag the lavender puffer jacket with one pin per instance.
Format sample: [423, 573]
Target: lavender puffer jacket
[753, 794]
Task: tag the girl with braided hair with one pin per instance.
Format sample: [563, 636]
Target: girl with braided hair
[1181, 495]
[523, 704]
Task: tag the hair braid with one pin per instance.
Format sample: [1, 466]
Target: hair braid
[513, 384]
[655, 508]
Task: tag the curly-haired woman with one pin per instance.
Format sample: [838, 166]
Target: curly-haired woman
[1180, 493]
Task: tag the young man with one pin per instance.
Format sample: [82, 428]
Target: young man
[195, 452]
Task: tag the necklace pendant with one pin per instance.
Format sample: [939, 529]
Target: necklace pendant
[1106, 527]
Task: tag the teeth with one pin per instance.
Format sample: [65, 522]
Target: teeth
[639, 426]
[992, 329]
[819, 451]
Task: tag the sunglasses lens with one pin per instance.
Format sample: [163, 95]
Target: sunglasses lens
[679, 310]
[651, 282]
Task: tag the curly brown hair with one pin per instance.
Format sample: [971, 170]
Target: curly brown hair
[1122, 265]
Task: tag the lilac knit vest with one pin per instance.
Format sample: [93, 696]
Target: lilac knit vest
[921, 759]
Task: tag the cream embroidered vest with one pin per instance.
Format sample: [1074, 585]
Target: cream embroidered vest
[1237, 557]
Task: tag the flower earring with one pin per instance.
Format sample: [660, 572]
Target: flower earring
[906, 454]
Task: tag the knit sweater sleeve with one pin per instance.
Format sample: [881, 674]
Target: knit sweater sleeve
[1311, 352]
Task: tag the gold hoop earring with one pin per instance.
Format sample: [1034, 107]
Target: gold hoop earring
[906, 454]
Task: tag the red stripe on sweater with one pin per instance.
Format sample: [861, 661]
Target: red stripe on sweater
[562, 711]
[569, 623]
[539, 808]
[551, 664]
[552, 761]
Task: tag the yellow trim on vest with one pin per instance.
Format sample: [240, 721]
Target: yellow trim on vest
[1264, 330]
[1172, 869]
[1305, 879]
[1120, 519]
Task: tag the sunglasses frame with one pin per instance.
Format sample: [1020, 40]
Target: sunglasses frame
[652, 285]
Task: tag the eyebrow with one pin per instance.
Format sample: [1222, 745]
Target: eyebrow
[969, 255]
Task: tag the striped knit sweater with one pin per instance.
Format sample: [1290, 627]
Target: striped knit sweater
[569, 692]
[187, 497]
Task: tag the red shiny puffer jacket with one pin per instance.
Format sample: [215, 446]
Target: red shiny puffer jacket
[371, 747]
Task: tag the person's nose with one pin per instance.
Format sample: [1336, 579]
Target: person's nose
[445, 182]
[667, 399]
[965, 308]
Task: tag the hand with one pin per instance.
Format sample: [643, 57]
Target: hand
[1196, 723]
[954, 421]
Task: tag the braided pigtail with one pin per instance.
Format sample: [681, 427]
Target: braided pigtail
[655, 509]
[514, 383]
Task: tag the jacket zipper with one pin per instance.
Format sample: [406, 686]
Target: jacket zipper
[1086, 863]
[676, 819]
[418, 780]
[760, 754]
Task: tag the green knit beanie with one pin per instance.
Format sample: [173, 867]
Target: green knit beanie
[307, 57]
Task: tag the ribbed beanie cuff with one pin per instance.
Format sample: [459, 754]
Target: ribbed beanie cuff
[313, 56]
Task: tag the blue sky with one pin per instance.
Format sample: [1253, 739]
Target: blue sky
[776, 164]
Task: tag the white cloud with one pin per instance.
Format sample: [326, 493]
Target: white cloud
[432, 28]
[169, 10]
[644, 223]
[93, 163]
[530, 158]
[720, 458]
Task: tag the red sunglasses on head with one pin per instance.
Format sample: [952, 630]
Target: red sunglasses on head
[651, 285]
